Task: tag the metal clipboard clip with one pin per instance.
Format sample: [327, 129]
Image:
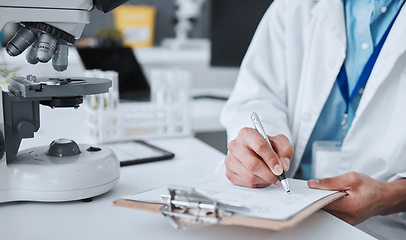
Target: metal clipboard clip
[186, 208]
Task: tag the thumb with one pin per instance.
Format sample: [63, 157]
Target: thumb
[338, 183]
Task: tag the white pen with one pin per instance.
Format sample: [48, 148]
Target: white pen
[258, 126]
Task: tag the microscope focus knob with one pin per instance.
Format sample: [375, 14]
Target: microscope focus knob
[63, 148]
[26, 129]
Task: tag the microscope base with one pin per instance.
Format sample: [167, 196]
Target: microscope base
[35, 176]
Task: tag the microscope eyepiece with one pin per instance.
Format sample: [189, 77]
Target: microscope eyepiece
[21, 40]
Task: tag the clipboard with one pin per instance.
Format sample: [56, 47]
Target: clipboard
[186, 208]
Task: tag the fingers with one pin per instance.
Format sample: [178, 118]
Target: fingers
[250, 138]
[283, 148]
[246, 164]
[341, 183]
[362, 200]
[253, 162]
[347, 208]
[237, 179]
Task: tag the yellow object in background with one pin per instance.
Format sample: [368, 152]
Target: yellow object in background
[137, 23]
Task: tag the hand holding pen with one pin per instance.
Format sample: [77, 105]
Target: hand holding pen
[253, 162]
[258, 126]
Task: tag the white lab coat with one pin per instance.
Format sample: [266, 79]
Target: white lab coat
[289, 71]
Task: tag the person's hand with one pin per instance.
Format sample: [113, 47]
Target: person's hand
[252, 162]
[365, 196]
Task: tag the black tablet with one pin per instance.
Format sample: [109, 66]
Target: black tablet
[137, 152]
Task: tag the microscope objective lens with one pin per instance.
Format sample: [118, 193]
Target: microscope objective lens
[46, 47]
[21, 41]
[31, 55]
[60, 57]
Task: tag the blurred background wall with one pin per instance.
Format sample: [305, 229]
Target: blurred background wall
[165, 20]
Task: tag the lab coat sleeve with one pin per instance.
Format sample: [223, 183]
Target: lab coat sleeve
[398, 176]
[261, 86]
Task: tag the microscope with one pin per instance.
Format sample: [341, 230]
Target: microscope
[64, 170]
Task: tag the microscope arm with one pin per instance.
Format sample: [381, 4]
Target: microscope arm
[21, 120]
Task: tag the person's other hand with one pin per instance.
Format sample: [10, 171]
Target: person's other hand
[252, 162]
[364, 198]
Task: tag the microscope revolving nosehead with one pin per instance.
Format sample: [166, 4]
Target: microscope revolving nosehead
[46, 42]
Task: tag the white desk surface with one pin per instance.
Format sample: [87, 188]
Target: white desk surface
[100, 220]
